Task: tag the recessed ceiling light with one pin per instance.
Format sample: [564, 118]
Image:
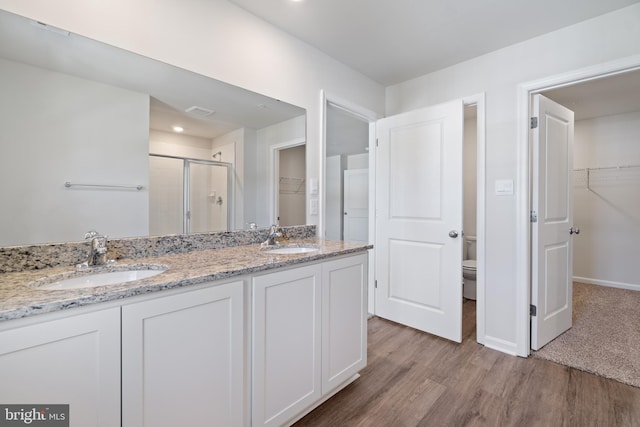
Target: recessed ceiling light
[178, 129]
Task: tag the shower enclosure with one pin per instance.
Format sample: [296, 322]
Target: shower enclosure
[188, 195]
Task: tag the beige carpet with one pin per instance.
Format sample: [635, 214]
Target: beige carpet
[605, 337]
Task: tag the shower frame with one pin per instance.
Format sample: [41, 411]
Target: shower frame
[186, 186]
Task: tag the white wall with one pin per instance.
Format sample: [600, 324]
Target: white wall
[217, 39]
[107, 144]
[180, 145]
[358, 161]
[498, 74]
[608, 211]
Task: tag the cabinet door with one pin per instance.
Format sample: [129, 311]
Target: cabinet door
[286, 344]
[73, 360]
[182, 359]
[344, 320]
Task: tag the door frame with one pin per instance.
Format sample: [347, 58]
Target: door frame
[274, 176]
[479, 100]
[523, 198]
[370, 117]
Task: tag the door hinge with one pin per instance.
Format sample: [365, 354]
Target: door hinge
[533, 310]
[376, 142]
[533, 216]
[375, 284]
[534, 122]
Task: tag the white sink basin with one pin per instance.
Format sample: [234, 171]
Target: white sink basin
[100, 279]
[288, 250]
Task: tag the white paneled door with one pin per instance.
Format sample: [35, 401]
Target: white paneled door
[419, 219]
[356, 205]
[551, 231]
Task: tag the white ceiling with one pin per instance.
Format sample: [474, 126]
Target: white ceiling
[396, 40]
[617, 94]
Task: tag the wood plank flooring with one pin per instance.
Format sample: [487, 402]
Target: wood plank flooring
[415, 379]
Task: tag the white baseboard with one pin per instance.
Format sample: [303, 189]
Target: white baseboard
[620, 285]
[501, 345]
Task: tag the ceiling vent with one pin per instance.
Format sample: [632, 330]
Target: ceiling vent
[199, 111]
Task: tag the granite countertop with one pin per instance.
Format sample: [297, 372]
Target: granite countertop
[20, 296]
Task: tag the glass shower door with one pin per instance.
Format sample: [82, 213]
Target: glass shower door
[188, 195]
[207, 205]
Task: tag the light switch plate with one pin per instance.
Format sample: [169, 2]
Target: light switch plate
[313, 206]
[313, 185]
[504, 187]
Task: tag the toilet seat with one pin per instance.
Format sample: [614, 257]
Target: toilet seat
[469, 264]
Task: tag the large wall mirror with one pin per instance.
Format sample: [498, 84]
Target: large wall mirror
[347, 161]
[87, 141]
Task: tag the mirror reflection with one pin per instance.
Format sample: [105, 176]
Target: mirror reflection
[89, 140]
[347, 175]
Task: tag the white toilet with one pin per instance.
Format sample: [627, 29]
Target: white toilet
[469, 268]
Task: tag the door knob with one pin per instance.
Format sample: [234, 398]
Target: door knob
[453, 234]
[574, 230]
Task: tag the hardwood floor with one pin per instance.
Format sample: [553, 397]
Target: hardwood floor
[415, 379]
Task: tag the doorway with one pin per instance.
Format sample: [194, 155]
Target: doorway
[346, 175]
[475, 104]
[289, 186]
[469, 218]
[348, 143]
[547, 86]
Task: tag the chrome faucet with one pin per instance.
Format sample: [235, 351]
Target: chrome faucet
[97, 249]
[271, 238]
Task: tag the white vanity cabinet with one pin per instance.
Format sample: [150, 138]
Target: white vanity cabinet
[344, 320]
[308, 336]
[286, 344]
[258, 349]
[183, 359]
[64, 358]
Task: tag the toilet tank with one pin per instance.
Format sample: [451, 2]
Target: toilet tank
[470, 247]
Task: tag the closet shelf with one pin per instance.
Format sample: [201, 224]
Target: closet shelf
[291, 185]
[606, 174]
